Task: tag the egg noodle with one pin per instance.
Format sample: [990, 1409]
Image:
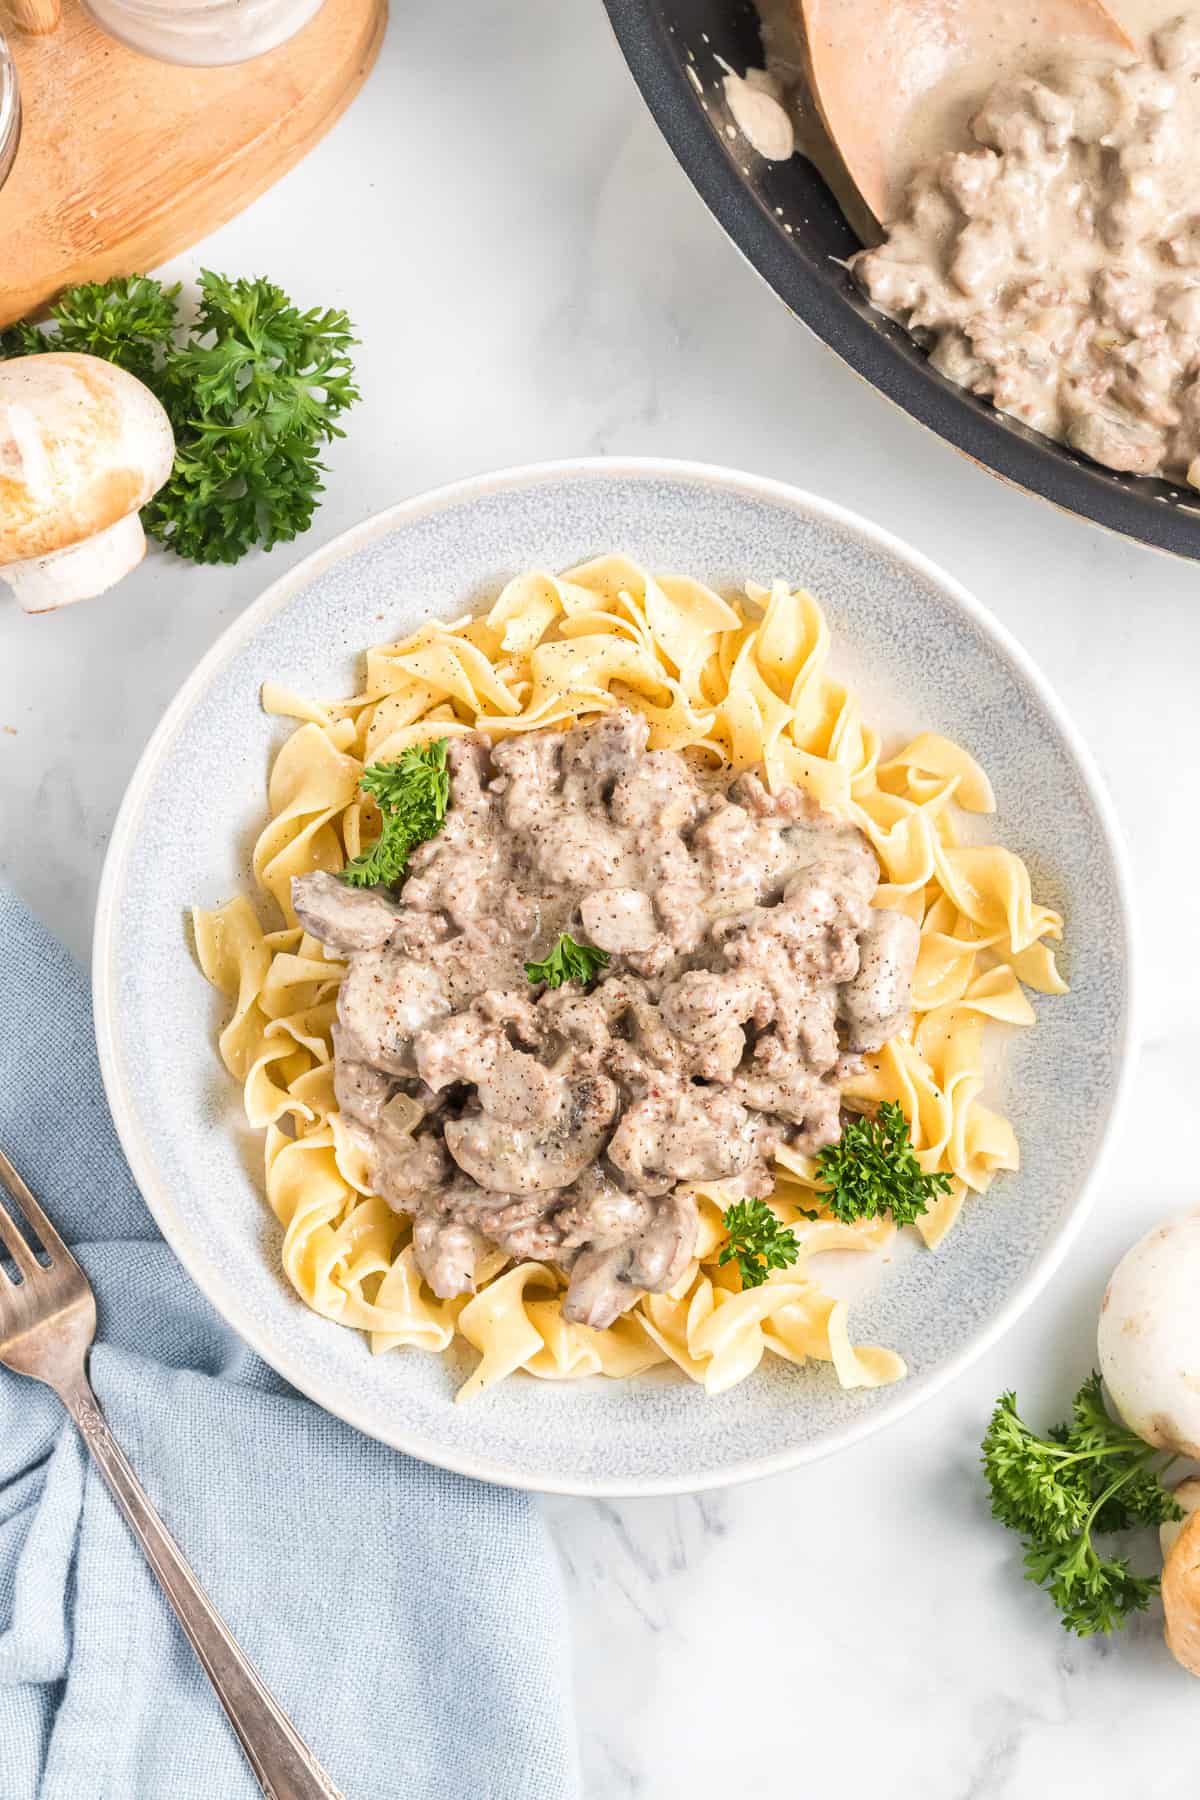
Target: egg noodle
[744, 682]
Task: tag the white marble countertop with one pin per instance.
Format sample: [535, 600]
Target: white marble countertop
[532, 276]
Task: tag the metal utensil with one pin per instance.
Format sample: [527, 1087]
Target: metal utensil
[47, 1323]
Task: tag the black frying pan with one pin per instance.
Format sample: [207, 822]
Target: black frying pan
[787, 224]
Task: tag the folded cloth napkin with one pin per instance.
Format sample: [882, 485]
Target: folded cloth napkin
[409, 1621]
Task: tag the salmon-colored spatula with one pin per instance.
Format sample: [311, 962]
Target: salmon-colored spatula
[870, 62]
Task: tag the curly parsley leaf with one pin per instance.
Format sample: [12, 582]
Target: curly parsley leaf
[873, 1169]
[253, 391]
[1089, 1477]
[21, 339]
[252, 396]
[1093, 1593]
[759, 1241]
[130, 321]
[568, 961]
[412, 795]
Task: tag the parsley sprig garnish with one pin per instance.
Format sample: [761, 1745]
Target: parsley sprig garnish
[130, 321]
[253, 389]
[759, 1241]
[412, 795]
[568, 961]
[873, 1170]
[1089, 1476]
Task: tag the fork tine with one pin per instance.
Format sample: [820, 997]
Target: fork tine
[51, 1242]
[13, 1239]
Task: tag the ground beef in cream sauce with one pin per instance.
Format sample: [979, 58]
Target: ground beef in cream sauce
[748, 970]
[1056, 268]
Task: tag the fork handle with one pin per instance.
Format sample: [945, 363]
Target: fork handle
[286, 1768]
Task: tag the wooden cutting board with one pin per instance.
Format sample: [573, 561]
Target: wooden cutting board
[124, 161]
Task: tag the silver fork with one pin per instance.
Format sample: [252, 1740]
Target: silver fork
[47, 1323]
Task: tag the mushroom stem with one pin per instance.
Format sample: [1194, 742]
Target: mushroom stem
[1187, 1496]
[1181, 1596]
[42, 583]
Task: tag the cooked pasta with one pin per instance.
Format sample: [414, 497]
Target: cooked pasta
[743, 682]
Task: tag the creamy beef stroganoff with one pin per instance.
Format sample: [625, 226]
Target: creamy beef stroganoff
[784, 931]
[1041, 231]
[746, 966]
[1055, 267]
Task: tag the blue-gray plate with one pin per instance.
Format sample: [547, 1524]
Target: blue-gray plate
[921, 652]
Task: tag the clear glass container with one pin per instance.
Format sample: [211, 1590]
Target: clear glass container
[202, 33]
[10, 111]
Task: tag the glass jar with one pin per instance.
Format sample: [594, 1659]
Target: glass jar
[202, 33]
[10, 111]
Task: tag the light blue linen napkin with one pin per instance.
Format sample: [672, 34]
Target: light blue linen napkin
[411, 1622]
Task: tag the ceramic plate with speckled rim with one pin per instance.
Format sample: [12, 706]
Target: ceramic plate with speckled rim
[922, 654]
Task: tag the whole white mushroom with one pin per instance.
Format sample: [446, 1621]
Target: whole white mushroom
[83, 446]
[1149, 1343]
[1149, 1337]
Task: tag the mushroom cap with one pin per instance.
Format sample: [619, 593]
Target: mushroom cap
[1149, 1336]
[82, 445]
